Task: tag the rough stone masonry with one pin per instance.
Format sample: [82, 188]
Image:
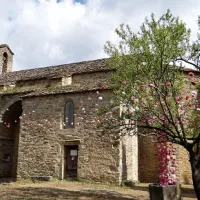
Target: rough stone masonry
[36, 138]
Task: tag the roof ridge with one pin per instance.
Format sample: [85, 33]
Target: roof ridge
[61, 65]
[57, 71]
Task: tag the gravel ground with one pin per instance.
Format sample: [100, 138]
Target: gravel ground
[59, 190]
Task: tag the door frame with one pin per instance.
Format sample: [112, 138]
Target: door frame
[63, 145]
[70, 161]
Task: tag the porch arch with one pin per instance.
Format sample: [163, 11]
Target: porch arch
[9, 138]
[8, 104]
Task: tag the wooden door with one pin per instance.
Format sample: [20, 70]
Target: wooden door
[71, 160]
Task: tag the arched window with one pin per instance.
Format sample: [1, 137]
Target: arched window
[5, 61]
[69, 115]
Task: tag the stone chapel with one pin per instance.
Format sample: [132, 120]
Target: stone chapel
[41, 134]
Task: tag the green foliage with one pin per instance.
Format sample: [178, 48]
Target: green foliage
[149, 80]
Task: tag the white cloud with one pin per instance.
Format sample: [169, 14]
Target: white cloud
[44, 32]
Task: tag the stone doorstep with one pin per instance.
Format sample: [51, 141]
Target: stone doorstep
[41, 178]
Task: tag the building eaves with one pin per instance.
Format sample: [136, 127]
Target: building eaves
[74, 89]
[52, 72]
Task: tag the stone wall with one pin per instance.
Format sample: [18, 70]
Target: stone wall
[38, 84]
[148, 161]
[42, 138]
[42, 141]
[183, 166]
[98, 78]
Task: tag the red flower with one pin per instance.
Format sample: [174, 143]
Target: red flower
[187, 97]
[132, 98]
[193, 83]
[168, 84]
[115, 112]
[179, 98]
[156, 104]
[182, 108]
[191, 74]
[151, 85]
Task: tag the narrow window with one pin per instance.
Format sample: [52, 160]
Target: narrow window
[69, 115]
[5, 61]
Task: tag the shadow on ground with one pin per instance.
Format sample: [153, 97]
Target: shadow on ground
[9, 192]
[31, 193]
[186, 192]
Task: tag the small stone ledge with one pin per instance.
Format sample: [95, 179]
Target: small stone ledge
[41, 178]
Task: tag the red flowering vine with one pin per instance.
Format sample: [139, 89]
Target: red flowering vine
[167, 164]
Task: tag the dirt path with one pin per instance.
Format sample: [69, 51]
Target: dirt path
[60, 190]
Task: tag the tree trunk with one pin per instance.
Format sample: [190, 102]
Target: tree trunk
[195, 166]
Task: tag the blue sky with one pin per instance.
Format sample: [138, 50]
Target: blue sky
[80, 1]
[48, 32]
[77, 1]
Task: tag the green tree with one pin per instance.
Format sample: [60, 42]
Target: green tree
[149, 82]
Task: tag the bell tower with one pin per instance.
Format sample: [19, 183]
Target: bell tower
[6, 58]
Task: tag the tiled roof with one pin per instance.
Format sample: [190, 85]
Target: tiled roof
[52, 72]
[58, 71]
